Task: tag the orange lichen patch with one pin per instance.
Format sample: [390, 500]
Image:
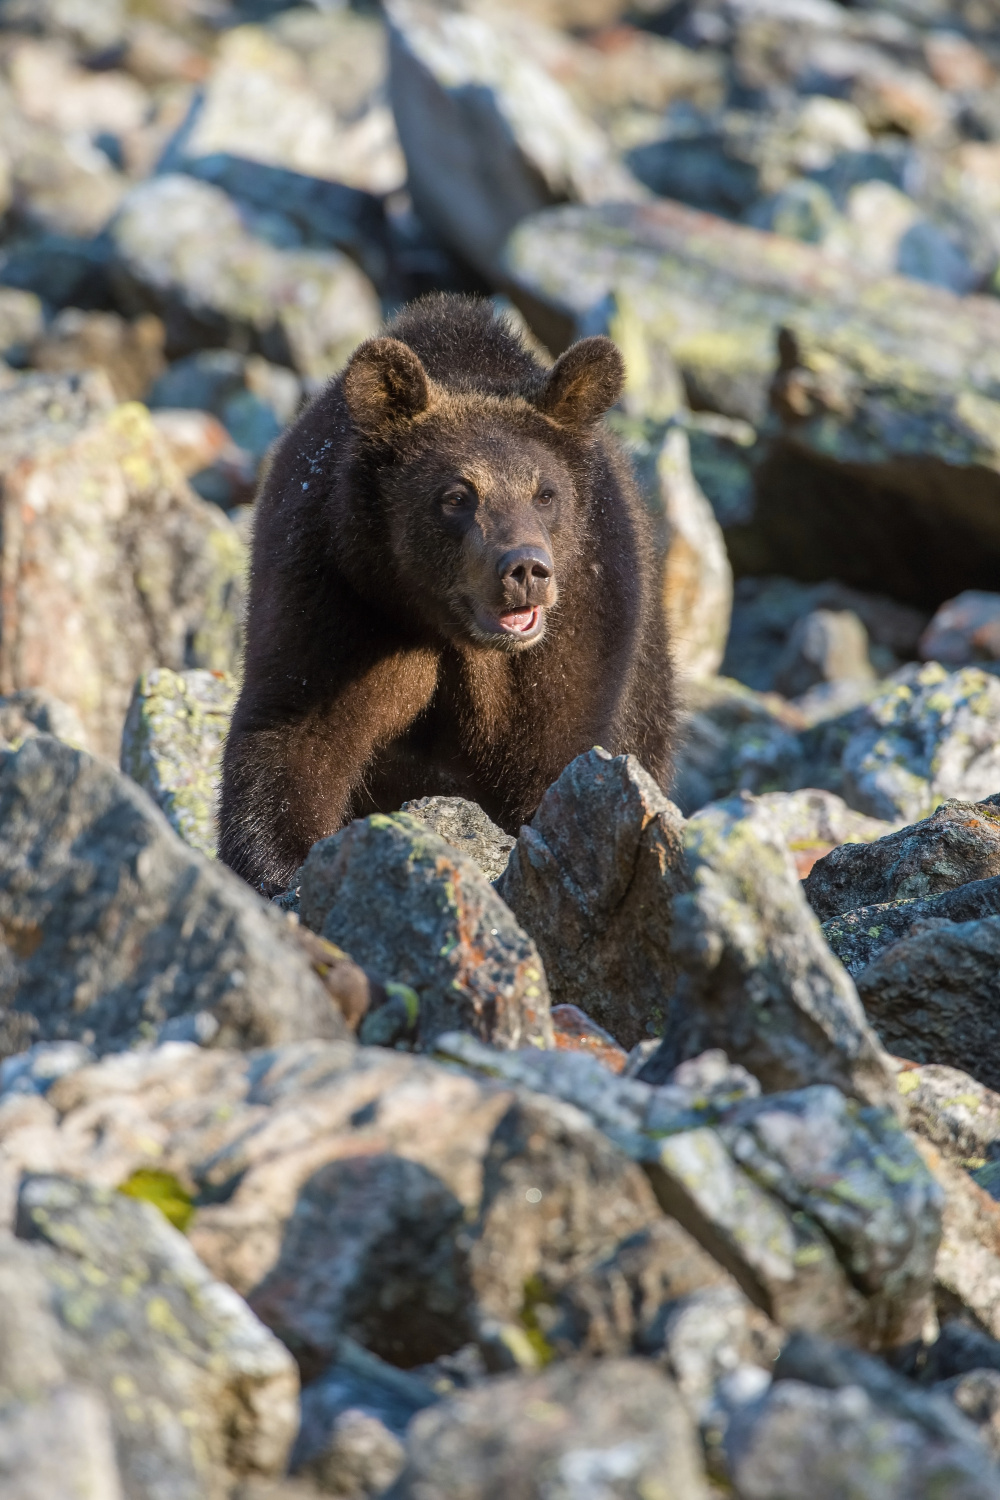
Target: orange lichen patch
[576, 1032]
[806, 856]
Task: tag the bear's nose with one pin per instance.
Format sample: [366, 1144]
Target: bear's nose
[521, 565]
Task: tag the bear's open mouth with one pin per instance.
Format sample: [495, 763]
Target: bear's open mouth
[523, 624]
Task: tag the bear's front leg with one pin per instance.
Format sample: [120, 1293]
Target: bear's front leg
[289, 772]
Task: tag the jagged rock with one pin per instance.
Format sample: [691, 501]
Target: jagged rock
[112, 565]
[697, 577]
[172, 744]
[198, 1391]
[559, 1434]
[957, 844]
[757, 977]
[715, 295]
[32, 711]
[114, 927]
[810, 1148]
[964, 630]
[592, 878]
[859, 937]
[932, 996]
[488, 135]
[450, 937]
[58, 1444]
[732, 739]
[928, 736]
[183, 248]
[466, 828]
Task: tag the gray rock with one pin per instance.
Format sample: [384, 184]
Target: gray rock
[960, 1116]
[977, 1396]
[732, 739]
[757, 977]
[803, 1439]
[592, 878]
[35, 1070]
[928, 736]
[489, 136]
[932, 996]
[198, 1391]
[59, 1444]
[172, 744]
[360, 1460]
[709, 1334]
[964, 630]
[357, 1384]
[113, 925]
[824, 646]
[93, 25]
[697, 588]
[183, 247]
[858, 937]
[959, 1350]
[957, 844]
[571, 1431]
[113, 566]
[31, 711]
[407, 905]
[130, 354]
[466, 828]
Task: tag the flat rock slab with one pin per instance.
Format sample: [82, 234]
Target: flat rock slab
[958, 843]
[592, 878]
[113, 926]
[407, 905]
[557, 1435]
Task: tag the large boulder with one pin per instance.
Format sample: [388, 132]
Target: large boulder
[112, 564]
[488, 134]
[99, 1289]
[113, 927]
[592, 878]
[408, 905]
[757, 978]
[859, 937]
[184, 251]
[882, 390]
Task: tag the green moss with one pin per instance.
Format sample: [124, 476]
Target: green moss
[535, 1296]
[165, 1193]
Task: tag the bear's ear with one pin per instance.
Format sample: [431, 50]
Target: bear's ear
[583, 383]
[385, 386]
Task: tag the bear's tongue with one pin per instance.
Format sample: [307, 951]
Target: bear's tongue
[519, 621]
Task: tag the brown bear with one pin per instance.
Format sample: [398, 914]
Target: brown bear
[453, 591]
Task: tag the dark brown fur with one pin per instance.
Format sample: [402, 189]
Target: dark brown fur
[374, 670]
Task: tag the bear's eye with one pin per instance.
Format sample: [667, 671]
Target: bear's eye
[545, 497]
[456, 498]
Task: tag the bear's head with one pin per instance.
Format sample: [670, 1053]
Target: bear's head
[483, 496]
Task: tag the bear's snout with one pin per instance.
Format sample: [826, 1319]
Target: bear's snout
[526, 571]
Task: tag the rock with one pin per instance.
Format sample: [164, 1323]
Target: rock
[960, 1349]
[262, 105]
[592, 878]
[172, 744]
[50, 88]
[967, 1269]
[757, 979]
[715, 295]
[691, 1135]
[859, 937]
[977, 1396]
[562, 1433]
[60, 1444]
[466, 828]
[198, 1391]
[576, 1032]
[709, 1334]
[958, 843]
[131, 354]
[33, 711]
[333, 1443]
[621, 1305]
[21, 319]
[928, 735]
[183, 248]
[932, 995]
[824, 646]
[59, 183]
[958, 1115]
[111, 565]
[697, 577]
[813, 822]
[113, 926]
[450, 937]
[964, 630]
[488, 135]
[361, 1458]
[203, 451]
[733, 739]
[95, 26]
